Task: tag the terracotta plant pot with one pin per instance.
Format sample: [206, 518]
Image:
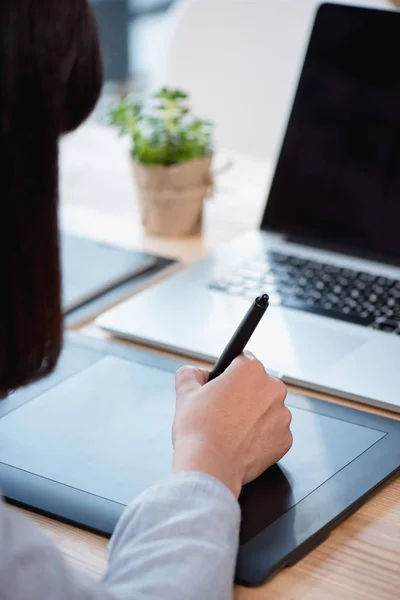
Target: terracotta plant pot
[172, 197]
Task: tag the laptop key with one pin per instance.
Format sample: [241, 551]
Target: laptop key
[250, 294]
[332, 313]
[386, 325]
[275, 299]
[278, 257]
[326, 289]
[252, 284]
[234, 280]
[218, 285]
[267, 279]
[234, 290]
[248, 273]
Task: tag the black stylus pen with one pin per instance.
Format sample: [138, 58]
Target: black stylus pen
[243, 333]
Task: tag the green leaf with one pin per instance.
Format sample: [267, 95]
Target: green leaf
[171, 94]
[165, 133]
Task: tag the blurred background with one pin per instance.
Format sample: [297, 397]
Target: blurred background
[238, 59]
[133, 34]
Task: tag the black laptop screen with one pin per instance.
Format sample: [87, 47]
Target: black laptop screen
[338, 175]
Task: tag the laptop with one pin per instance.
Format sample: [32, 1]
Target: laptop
[328, 248]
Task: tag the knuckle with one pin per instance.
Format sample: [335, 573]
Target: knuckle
[288, 417]
[248, 365]
[183, 374]
[240, 361]
[256, 367]
[281, 390]
[248, 355]
[288, 442]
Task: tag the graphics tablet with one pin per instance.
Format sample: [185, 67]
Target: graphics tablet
[81, 444]
[91, 268]
[97, 275]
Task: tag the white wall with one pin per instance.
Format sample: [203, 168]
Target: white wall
[240, 60]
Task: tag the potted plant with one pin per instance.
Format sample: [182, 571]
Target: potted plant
[172, 153]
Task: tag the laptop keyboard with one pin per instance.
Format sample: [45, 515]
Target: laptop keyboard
[319, 288]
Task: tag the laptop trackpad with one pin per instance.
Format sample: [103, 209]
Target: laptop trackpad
[300, 345]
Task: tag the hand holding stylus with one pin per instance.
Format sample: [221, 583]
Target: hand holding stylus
[235, 426]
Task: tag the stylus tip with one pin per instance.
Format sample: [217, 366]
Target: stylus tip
[263, 300]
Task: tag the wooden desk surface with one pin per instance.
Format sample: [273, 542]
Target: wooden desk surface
[361, 558]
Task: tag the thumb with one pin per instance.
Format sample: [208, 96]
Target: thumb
[190, 379]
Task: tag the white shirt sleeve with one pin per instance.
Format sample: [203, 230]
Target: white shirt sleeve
[177, 540]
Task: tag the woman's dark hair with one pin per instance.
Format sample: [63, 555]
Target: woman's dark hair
[50, 80]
